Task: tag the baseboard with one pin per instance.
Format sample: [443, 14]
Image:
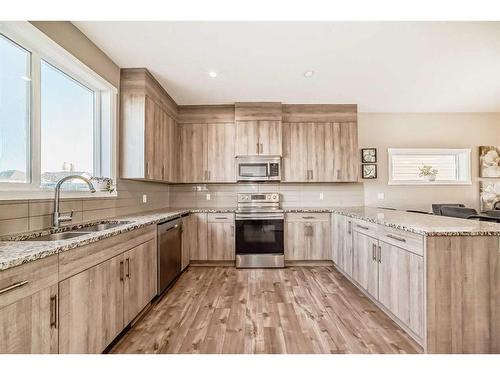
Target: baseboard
[212, 263]
[308, 263]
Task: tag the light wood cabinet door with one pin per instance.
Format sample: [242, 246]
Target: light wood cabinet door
[295, 240]
[247, 138]
[320, 152]
[171, 144]
[221, 152]
[318, 240]
[140, 279]
[365, 265]
[193, 150]
[345, 136]
[188, 237]
[270, 137]
[29, 325]
[198, 246]
[91, 308]
[401, 285]
[152, 141]
[347, 256]
[221, 241]
[339, 237]
[295, 152]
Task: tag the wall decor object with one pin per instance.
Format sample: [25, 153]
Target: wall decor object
[489, 194]
[489, 161]
[368, 155]
[369, 171]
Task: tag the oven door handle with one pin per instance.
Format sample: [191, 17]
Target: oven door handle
[261, 217]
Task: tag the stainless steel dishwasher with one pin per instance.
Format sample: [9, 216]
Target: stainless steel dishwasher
[169, 252]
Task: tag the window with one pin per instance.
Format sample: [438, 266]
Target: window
[57, 117]
[429, 166]
[15, 88]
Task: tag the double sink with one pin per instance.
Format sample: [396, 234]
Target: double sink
[72, 233]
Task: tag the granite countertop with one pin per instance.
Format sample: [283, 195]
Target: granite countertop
[14, 252]
[426, 225]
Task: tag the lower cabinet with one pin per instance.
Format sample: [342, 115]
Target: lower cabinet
[187, 236]
[28, 308]
[212, 237]
[401, 285]
[342, 242]
[221, 237]
[365, 262]
[307, 236]
[97, 303]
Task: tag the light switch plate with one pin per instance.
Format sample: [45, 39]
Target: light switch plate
[321, 196]
[144, 198]
[380, 196]
[208, 196]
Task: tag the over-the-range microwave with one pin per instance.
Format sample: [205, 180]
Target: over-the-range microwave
[258, 168]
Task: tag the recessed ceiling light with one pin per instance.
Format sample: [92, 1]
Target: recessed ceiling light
[212, 74]
[308, 74]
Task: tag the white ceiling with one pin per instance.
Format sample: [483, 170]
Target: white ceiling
[381, 66]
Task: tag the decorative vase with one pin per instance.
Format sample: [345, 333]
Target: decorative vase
[431, 177]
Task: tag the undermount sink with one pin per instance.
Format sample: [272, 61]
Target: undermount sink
[100, 227]
[58, 236]
[72, 233]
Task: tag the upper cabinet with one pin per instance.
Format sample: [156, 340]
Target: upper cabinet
[258, 129]
[320, 143]
[206, 146]
[148, 129]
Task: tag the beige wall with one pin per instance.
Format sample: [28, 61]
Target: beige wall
[440, 130]
[17, 216]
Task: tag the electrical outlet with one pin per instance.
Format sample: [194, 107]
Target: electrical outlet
[208, 196]
[144, 198]
[380, 196]
[320, 196]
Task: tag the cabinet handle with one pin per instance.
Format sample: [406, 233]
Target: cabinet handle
[209, 175]
[362, 227]
[380, 254]
[261, 148]
[13, 286]
[163, 172]
[53, 311]
[349, 227]
[121, 270]
[308, 217]
[312, 174]
[232, 230]
[258, 148]
[147, 169]
[374, 252]
[221, 218]
[128, 268]
[400, 239]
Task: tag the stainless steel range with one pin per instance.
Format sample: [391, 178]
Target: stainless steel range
[259, 231]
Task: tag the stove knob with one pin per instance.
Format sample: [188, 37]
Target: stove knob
[274, 197]
[268, 197]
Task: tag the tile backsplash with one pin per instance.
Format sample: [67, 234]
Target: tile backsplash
[293, 195]
[24, 215]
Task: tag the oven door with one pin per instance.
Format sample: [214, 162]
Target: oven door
[253, 171]
[259, 236]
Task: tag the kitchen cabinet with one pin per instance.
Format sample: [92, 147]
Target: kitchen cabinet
[207, 152]
[220, 232]
[307, 236]
[104, 287]
[148, 146]
[91, 308]
[140, 278]
[401, 285]
[187, 238]
[28, 308]
[365, 264]
[320, 152]
[258, 137]
[29, 325]
[342, 242]
[198, 247]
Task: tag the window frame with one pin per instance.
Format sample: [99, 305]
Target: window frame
[43, 48]
[467, 180]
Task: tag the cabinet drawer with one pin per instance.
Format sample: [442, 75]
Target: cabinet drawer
[307, 217]
[409, 241]
[220, 217]
[22, 281]
[365, 227]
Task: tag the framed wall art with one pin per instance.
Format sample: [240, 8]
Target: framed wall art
[368, 155]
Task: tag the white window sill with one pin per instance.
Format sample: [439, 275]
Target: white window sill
[11, 195]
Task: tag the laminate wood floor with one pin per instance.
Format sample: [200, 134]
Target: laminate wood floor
[291, 310]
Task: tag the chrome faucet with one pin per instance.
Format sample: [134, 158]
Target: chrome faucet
[57, 219]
